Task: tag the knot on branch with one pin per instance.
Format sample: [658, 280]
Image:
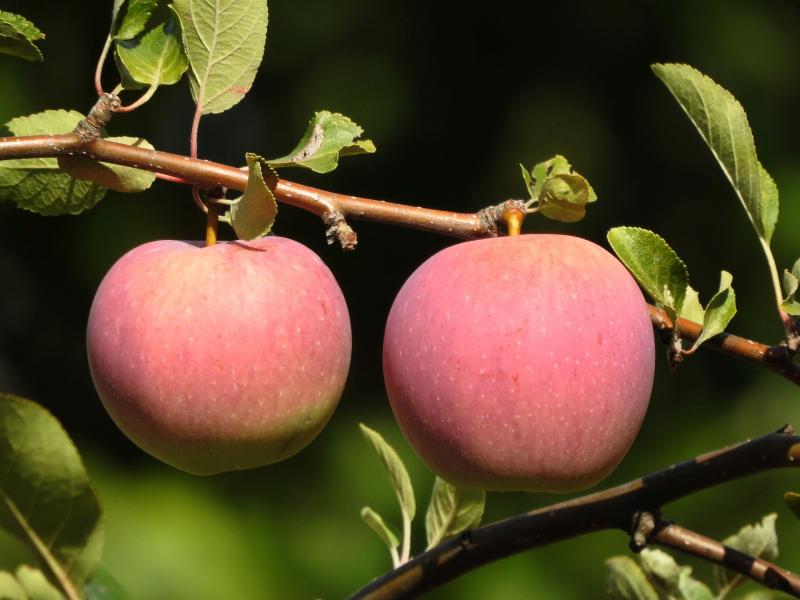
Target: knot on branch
[339, 230]
[643, 525]
[492, 216]
[90, 128]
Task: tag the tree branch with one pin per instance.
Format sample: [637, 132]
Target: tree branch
[615, 508]
[334, 208]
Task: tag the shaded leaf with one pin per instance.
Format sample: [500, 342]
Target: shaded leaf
[38, 184]
[692, 309]
[654, 265]
[328, 137]
[224, 42]
[452, 510]
[36, 585]
[17, 37]
[627, 581]
[719, 311]
[154, 59]
[130, 24]
[792, 500]
[723, 125]
[375, 522]
[690, 588]
[674, 579]
[47, 500]
[105, 587]
[254, 212]
[395, 469]
[759, 540]
[116, 177]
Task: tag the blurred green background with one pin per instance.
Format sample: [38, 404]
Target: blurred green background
[454, 99]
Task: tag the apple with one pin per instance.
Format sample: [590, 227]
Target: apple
[520, 363]
[223, 357]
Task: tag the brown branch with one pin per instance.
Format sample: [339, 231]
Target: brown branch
[690, 542]
[334, 208]
[616, 508]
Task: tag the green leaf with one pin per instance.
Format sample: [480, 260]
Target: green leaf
[36, 585]
[328, 137]
[674, 579]
[759, 595]
[38, 184]
[654, 265]
[116, 177]
[562, 194]
[154, 59]
[690, 588]
[791, 283]
[224, 42]
[452, 510]
[379, 526]
[396, 471]
[723, 125]
[47, 499]
[253, 213]
[720, 310]
[792, 500]
[10, 588]
[627, 581]
[105, 587]
[133, 22]
[692, 309]
[759, 540]
[17, 37]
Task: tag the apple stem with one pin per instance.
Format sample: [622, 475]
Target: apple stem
[513, 218]
[212, 222]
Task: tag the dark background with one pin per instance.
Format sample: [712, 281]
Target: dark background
[454, 98]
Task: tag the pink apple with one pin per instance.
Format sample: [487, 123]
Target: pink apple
[222, 357]
[520, 363]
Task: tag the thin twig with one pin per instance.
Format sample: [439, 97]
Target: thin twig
[614, 508]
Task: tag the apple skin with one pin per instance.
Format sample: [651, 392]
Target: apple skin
[520, 363]
[218, 358]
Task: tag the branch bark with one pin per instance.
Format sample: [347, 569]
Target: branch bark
[615, 508]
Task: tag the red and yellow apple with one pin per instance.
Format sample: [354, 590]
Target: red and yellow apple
[222, 357]
[520, 363]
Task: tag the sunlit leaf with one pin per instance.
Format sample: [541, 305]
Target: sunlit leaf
[47, 500]
[36, 585]
[627, 581]
[328, 137]
[723, 125]
[376, 523]
[759, 540]
[452, 510]
[224, 41]
[719, 311]
[17, 37]
[254, 212]
[692, 309]
[561, 193]
[654, 265]
[116, 177]
[10, 588]
[156, 58]
[395, 469]
[38, 184]
[132, 22]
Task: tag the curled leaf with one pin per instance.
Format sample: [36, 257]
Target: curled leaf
[253, 213]
[17, 37]
[719, 311]
[561, 193]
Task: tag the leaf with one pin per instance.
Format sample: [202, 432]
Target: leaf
[627, 581]
[105, 587]
[253, 214]
[17, 37]
[562, 194]
[791, 283]
[792, 500]
[154, 59]
[722, 123]
[328, 137]
[381, 529]
[692, 309]
[719, 311]
[37, 184]
[654, 265]
[10, 588]
[224, 42]
[673, 578]
[452, 510]
[396, 471]
[47, 499]
[36, 585]
[116, 177]
[133, 22]
[759, 540]
[690, 588]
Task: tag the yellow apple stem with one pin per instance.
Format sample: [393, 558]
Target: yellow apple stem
[212, 221]
[513, 218]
